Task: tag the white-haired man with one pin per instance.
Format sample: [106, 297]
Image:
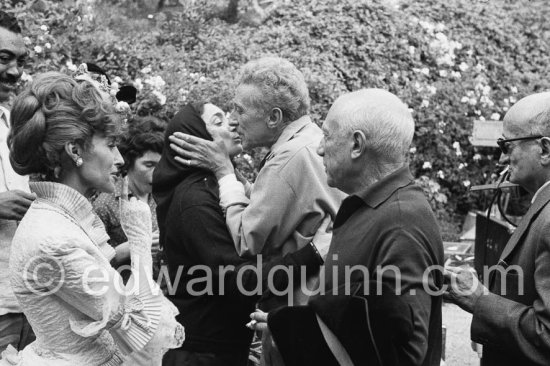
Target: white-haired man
[290, 199]
[15, 197]
[512, 321]
[385, 231]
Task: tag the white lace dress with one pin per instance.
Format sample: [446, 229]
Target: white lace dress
[76, 303]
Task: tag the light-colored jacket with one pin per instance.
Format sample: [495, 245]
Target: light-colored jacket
[289, 199]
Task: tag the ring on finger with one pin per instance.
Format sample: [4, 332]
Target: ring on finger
[188, 162]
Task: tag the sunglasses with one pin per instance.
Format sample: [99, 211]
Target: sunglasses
[503, 143]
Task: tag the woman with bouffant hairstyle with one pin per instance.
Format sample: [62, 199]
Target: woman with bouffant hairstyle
[48, 115]
[64, 133]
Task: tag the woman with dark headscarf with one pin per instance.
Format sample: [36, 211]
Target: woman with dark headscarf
[214, 302]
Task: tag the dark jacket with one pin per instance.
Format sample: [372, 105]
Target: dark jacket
[513, 322]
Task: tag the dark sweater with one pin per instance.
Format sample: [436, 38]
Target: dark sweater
[196, 234]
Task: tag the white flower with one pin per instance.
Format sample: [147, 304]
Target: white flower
[463, 66]
[150, 16]
[441, 37]
[417, 86]
[425, 103]
[495, 117]
[443, 73]
[156, 82]
[440, 174]
[431, 89]
[160, 97]
[480, 67]
[464, 99]
[476, 157]
[481, 118]
[117, 79]
[48, 45]
[202, 79]
[138, 84]
[472, 101]
[425, 71]
[456, 146]
[27, 41]
[460, 166]
[427, 165]
[122, 107]
[456, 74]
[412, 49]
[412, 150]
[26, 77]
[44, 28]
[427, 26]
[514, 89]
[146, 70]
[466, 183]
[513, 99]
[72, 67]
[439, 27]
[37, 49]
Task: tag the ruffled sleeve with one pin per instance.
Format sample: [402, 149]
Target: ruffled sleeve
[73, 273]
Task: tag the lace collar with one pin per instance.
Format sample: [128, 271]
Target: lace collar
[78, 208]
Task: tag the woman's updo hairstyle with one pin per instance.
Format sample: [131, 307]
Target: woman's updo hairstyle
[53, 110]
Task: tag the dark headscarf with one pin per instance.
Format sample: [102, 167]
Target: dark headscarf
[169, 173]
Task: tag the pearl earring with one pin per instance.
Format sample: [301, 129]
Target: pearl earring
[79, 162]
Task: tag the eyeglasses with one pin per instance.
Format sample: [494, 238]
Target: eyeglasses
[503, 143]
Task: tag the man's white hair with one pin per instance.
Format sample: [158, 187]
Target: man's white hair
[281, 84]
[384, 119]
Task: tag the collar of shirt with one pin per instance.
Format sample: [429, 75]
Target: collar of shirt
[373, 195]
[539, 190]
[4, 116]
[288, 133]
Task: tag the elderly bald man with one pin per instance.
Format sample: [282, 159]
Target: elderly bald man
[511, 319]
[384, 231]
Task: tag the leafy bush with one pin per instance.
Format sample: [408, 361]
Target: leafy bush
[451, 62]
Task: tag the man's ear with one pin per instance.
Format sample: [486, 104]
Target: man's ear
[545, 154]
[275, 118]
[359, 144]
[74, 150]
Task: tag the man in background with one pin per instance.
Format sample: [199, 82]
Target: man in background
[511, 319]
[15, 198]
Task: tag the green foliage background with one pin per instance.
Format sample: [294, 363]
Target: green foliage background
[451, 61]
